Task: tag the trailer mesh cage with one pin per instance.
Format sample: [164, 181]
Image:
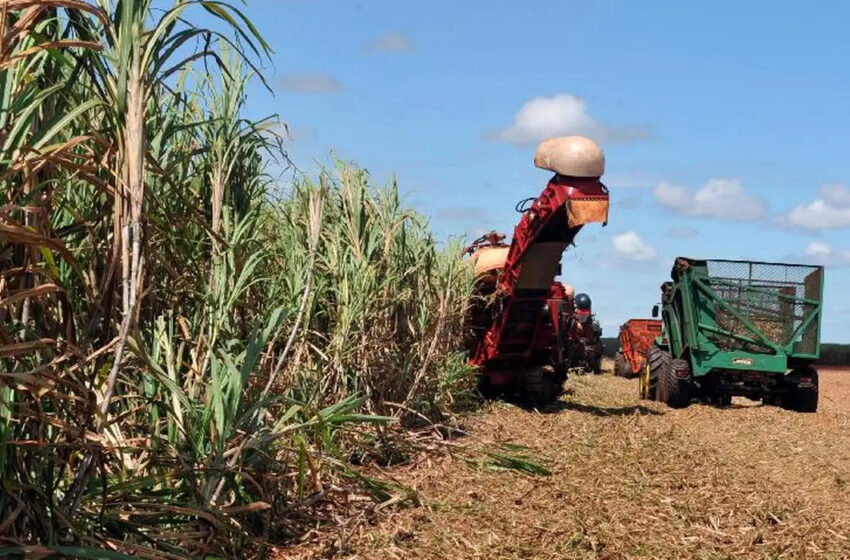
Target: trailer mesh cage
[776, 302]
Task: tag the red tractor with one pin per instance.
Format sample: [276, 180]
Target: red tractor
[521, 320]
[636, 336]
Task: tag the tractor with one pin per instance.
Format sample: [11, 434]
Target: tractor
[518, 327]
[636, 336]
[737, 328]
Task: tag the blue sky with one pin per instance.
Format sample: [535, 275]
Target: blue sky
[724, 124]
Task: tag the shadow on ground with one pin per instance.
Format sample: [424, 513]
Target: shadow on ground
[601, 410]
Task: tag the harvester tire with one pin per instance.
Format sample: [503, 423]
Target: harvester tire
[596, 365]
[673, 390]
[802, 399]
[621, 367]
[539, 387]
[656, 361]
[486, 388]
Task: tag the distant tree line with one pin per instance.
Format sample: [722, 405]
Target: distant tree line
[835, 354]
[610, 346]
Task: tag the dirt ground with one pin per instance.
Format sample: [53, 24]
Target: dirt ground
[629, 479]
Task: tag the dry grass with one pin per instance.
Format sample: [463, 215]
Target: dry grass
[630, 480]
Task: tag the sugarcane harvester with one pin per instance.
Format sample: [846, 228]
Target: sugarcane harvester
[520, 318]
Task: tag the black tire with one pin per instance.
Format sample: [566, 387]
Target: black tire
[675, 391]
[592, 357]
[621, 367]
[596, 365]
[722, 400]
[802, 399]
[771, 400]
[539, 387]
[656, 360]
[560, 373]
[716, 397]
[487, 389]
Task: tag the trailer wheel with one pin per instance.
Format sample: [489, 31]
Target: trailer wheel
[721, 399]
[539, 387]
[803, 397]
[676, 384]
[656, 359]
[621, 368]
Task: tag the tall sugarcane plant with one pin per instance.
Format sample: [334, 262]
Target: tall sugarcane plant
[178, 348]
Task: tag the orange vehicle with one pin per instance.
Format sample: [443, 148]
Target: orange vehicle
[636, 336]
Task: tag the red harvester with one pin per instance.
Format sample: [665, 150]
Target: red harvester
[520, 318]
[636, 336]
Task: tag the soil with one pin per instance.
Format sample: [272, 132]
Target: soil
[629, 479]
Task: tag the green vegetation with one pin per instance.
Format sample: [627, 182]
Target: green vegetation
[511, 457]
[184, 354]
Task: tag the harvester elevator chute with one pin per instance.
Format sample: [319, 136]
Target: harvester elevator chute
[518, 320]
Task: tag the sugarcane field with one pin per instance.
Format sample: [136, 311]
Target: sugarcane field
[302, 279]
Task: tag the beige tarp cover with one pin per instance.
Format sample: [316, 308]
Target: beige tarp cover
[574, 156]
[490, 258]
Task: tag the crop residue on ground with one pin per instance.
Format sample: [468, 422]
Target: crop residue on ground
[632, 479]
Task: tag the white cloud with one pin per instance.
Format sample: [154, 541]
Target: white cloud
[562, 115]
[823, 253]
[629, 245]
[836, 194]
[829, 211]
[723, 199]
[392, 42]
[817, 248]
[308, 83]
[674, 196]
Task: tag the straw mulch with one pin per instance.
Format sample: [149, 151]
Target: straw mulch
[630, 480]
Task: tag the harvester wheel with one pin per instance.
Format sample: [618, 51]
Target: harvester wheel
[676, 384]
[621, 367]
[802, 398]
[487, 389]
[539, 387]
[656, 360]
[596, 365]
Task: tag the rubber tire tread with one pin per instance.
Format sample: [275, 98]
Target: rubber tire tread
[621, 368]
[657, 360]
[803, 400]
[676, 392]
[539, 388]
[486, 389]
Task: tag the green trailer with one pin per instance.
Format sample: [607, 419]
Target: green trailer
[737, 328]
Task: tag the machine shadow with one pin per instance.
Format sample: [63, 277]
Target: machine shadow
[562, 405]
[565, 405]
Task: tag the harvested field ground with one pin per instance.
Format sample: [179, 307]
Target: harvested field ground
[631, 479]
